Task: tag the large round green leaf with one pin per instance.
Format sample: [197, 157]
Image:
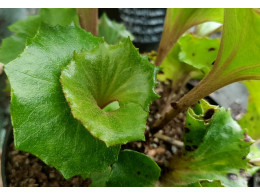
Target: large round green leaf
[42, 120]
[95, 78]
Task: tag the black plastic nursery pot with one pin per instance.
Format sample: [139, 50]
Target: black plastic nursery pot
[146, 24]
[8, 140]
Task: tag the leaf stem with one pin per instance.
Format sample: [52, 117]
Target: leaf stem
[88, 19]
[204, 88]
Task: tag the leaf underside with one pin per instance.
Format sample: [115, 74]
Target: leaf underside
[41, 117]
[95, 78]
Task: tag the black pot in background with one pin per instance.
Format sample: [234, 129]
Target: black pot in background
[146, 24]
[8, 140]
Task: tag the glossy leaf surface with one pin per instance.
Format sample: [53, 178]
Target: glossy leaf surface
[95, 78]
[112, 31]
[219, 155]
[41, 117]
[14, 45]
[134, 169]
[179, 20]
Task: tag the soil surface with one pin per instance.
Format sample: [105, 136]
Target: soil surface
[24, 169]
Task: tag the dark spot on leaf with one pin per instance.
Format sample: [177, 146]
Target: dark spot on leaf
[198, 102]
[174, 105]
[243, 158]
[252, 118]
[242, 172]
[138, 172]
[213, 62]
[232, 176]
[247, 138]
[209, 114]
[187, 130]
[188, 148]
[189, 124]
[211, 49]
[160, 72]
[194, 147]
[193, 54]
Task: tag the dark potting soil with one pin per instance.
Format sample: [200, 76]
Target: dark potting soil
[24, 169]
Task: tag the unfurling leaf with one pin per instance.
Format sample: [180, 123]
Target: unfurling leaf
[179, 20]
[134, 169]
[41, 117]
[95, 78]
[220, 154]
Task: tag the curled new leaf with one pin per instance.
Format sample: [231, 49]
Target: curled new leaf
[219, 154]
[106, 74]
[41, 117]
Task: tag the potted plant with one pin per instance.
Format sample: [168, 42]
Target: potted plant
[75, 100]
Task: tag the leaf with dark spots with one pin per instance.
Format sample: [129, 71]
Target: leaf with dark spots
[217, 155]
[206, 51]
[195, 126]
